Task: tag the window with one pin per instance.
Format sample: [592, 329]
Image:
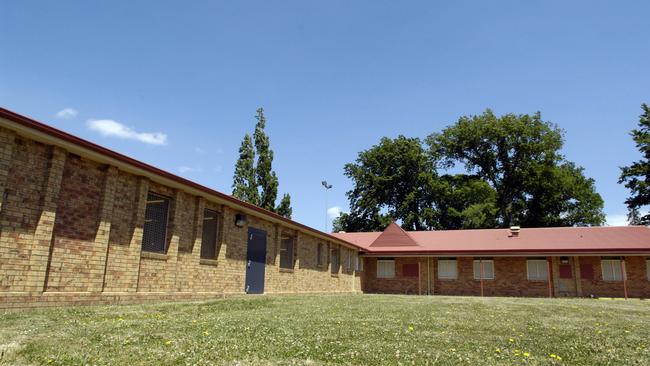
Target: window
[647, 267]
[537, 269]
[350, 259]
[334, 254]
[611, 269]
[488, 269]
[385, 268]
[209, 237]
[447, 269]
[286, 252]
[358, 266]
[319, 254]
[154, 235]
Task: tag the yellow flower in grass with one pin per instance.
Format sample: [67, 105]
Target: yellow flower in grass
[497, 350]
[511, 340]
[411, 328]
[168, 343]
[526, 354]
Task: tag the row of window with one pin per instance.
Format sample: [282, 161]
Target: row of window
[154, 238]
[536, 269]
[154, 235]
[287, 256]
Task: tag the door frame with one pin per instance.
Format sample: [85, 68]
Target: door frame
[248, 276]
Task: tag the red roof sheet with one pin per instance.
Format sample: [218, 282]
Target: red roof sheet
[529, 240]
[393, 236]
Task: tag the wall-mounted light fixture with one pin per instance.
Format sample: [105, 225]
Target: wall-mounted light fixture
[240, 220]
[564, 260]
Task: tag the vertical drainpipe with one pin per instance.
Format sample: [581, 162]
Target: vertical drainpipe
[481, 274]
[548, 276]
[624, 277]
[428, 275]
[419, 279]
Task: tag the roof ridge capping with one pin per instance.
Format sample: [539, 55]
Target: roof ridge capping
[394, 236]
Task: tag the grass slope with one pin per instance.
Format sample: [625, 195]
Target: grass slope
[334, 329]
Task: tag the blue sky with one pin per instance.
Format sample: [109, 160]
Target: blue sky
[176, 84]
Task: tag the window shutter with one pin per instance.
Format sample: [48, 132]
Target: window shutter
[410, 270]
[586, 271]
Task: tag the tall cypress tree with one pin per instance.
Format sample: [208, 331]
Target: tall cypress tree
[256, 182]
[637, 176]
[266, 178]
[284, 208]
[244, 184]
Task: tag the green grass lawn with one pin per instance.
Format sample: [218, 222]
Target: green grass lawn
[334, 329]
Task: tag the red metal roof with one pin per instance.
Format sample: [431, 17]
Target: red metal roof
[51, 131]
[529, 240]
[393, 236]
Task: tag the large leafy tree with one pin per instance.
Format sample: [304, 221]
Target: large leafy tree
[515, 175]
[637, 176]
[518, 155]
[391, 181]
[255, 181]
[463, 202]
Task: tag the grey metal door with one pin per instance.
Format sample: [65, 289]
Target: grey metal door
[255, 261]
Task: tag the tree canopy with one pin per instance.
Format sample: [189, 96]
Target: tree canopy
[515, 175]
[637, 176]
[255, 181]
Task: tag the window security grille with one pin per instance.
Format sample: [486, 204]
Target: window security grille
[154, 234]
[209, 236]
[335, 260]
[286, 252]
[319, 254]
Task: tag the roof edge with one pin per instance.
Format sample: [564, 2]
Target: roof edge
[55, 133]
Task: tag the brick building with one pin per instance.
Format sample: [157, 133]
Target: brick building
[82, 224]
[566, 261]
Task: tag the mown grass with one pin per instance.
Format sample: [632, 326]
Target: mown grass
[334, 329]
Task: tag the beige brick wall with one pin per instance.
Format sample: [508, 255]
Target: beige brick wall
[71, 232]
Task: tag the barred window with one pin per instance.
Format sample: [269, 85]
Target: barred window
[358, 263]
[154, 236]
[334, 255]
[209, 238]
[348, 259]
[286, 252]
[319, 254]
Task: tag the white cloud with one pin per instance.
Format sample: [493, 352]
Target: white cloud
[617, 220]
[67, 113]
[188, 169]
[199, 150]
[108, 127]
[334, 212]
